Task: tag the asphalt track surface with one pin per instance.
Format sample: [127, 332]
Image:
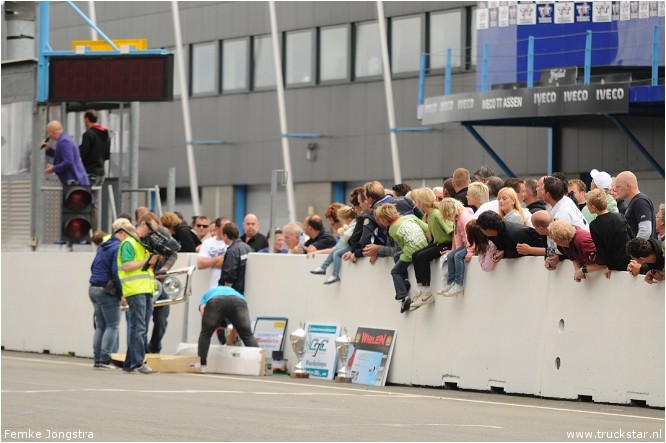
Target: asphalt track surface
[65, 399]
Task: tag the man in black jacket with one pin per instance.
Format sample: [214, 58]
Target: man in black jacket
[506, 235]
[235, 259]
[95, 148]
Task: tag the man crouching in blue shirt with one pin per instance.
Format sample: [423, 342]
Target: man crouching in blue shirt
[223, 304]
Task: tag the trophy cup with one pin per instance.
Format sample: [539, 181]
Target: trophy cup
[297, 339]
[342, 346]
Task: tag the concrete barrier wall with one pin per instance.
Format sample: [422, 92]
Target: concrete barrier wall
[519, 328]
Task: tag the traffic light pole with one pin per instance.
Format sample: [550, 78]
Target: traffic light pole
[37, 177]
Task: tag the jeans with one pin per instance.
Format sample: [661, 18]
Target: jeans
[107, 322]
[160, 316]
[456, 263]
[400, 276]
[216, 311]
[422, 259]
[336, 257]
[139, 313]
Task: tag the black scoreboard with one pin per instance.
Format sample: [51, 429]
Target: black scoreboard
[117, 78]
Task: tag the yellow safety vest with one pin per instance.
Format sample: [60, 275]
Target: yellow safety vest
[136, 281]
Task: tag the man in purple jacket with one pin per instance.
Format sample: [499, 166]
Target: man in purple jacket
[67, 162]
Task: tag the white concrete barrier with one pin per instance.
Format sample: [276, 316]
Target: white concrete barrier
[519, 328]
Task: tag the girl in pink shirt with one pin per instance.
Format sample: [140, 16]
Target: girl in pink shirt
[461, 251]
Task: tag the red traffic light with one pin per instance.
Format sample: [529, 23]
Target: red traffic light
[77, 229]
[76, 213]
[77, 199]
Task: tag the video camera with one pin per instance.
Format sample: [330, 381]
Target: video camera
[158, 243]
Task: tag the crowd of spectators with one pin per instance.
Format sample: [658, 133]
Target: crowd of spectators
[612, 227]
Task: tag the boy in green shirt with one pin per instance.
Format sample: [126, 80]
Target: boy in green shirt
[410, 234]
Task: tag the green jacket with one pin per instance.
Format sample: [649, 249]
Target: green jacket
[409, 234]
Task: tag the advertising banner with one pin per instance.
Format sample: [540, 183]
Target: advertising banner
[525, 103]
[320, 355]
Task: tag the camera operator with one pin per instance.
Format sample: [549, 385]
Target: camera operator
[136, 273]
[160, 242]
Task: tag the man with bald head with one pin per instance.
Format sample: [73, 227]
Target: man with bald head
[640, 210]
[67, 162]
[255, 239]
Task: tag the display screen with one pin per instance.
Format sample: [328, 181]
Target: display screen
[120, 78]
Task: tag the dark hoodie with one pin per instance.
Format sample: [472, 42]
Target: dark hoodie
[95, 149]
[105, 265]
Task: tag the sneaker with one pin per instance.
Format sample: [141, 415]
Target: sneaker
[445, 289]
[318, 271]
[424, 298]
[332, 279]
[107, 365]
[404, 306]
[203, 369]
[96, 365]
[145, 369]
[455, 290]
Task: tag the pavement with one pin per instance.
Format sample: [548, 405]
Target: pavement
[59, 398]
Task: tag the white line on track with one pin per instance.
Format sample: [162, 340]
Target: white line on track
[337, 388]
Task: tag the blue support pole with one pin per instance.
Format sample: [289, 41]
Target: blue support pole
[205, 142]
[588, 57]
[240, 205]
[530, 62]
[93, 25]
[43, 47]
[301, 135]
[415, 129]
[339, 192]
[447, 75]
[484, 68]
[422, 75]
[489, 150]
[627, 133]
[655, 56]
[549, 154]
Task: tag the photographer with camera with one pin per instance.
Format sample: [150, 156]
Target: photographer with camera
[136, 264]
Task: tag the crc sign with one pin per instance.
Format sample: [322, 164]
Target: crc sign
[521, 103]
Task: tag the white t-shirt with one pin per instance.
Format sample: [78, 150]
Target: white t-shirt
[211, 248]
[492, 205]
[566, 209]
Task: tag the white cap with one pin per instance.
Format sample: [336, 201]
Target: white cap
[601, 179]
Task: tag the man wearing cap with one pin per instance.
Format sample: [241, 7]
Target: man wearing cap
[601, 180]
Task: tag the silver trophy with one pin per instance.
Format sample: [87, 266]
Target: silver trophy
[297, 339]
[342, 346]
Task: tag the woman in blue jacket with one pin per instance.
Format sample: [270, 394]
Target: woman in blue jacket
[105, 294]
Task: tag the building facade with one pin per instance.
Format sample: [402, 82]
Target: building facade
[334, 88]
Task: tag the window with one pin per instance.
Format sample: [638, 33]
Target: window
[333, 53]
[299, 55]
[186, 65]
[368, 60]
[472, 33]
[205, 68]
[446, 32]
[264, 66]
[17, 136]
[234, 65]
[406, 47]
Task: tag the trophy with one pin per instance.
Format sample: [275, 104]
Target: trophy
[342, 346]
[297, 339]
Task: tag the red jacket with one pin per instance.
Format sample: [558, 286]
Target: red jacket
[582, 249]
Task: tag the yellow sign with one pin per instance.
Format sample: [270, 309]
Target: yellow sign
[102, 45]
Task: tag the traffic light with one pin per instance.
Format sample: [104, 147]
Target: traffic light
[76, 213]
